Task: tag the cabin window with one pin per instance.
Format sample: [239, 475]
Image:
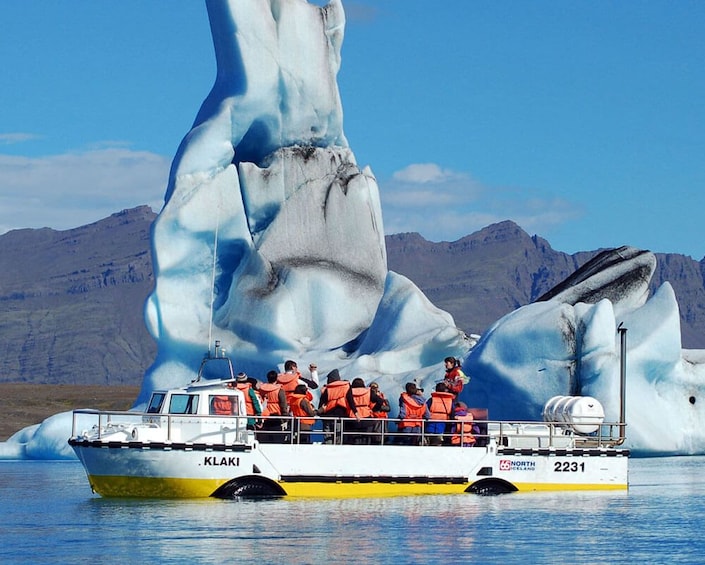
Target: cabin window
[155, 403]
[223, 405]
[183, 404]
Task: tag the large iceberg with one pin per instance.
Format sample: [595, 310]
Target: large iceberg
[271, 242]
[271, 238]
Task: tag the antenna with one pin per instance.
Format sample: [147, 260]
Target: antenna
[215, 261]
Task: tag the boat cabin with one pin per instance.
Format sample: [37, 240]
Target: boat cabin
[216, 399]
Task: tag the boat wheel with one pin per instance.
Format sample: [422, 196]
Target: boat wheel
[491, 487]
[252, 487]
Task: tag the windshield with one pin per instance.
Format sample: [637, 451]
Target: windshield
[216, 369]
[155, 403]
[183, 404]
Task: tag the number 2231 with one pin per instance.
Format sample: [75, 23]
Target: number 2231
[568, 467]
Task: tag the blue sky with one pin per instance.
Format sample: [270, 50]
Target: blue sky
[584, 122]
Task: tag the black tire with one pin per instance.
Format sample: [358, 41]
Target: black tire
[249, 488]
[491, 487]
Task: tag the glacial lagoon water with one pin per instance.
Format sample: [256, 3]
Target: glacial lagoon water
[49, 515]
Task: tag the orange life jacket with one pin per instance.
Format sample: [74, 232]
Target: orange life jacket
[441, 405]
[270, 392]
[249, 405]
[362, 402]
[463, 427]
[289, 382]
[222, 405]
[414, 412]
[336, 395]
[298, 411]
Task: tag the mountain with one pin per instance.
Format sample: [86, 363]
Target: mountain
[485, 275]
[72, 301]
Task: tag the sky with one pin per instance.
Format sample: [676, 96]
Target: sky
[583, 122]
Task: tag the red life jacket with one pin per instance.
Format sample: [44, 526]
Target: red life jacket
[270, 392]
[414, 412]
[298, 411]
[441, 405]
[249, 405]
[455, 380]
[362, 402]
[336, 395]
[463, 427]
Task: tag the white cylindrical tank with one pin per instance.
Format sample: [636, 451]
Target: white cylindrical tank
[554, 410]
[584, 414]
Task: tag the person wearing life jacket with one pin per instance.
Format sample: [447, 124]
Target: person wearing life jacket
[288, 381]
[362, 428]
[253, 404]
[311, 382]
[412, 413]
[273, 429]
[454, 378]
[379, 407]
[290, 367]
[361, 397]
[441, 407]
[462, 433]
[303, 413]
[336, 402]
[292, 377]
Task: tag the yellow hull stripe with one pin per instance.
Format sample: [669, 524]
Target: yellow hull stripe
[153, 487]
[372, 489]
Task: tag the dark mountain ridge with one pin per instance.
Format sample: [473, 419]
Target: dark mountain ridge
[487, 274]
[71, 302]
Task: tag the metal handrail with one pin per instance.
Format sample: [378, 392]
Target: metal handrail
[347, 431]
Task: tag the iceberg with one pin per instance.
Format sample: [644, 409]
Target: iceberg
[271, 242]
[567, 344]
[271, 238]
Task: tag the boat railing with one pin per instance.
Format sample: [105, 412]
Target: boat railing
[151, 427]
[555, 435]
[390, 431]
[135, 426]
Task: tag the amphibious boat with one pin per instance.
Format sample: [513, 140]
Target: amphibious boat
[184, 447]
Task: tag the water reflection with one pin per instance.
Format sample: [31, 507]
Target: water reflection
[660, 519]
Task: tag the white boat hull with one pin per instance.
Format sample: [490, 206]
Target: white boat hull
[142, 469]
